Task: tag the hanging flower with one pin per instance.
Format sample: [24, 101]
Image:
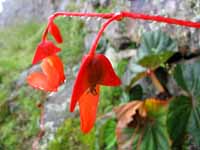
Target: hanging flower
[55, 32]
[95, 70]
[51, 77]
[44, 49]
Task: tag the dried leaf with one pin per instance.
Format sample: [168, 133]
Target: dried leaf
[136, 117]
[127, 114]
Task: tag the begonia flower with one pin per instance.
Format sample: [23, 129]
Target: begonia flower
[95, 70]
[51, 77]
[55, 32]
[44, 49]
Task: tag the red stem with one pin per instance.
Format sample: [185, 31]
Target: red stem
[95, 43]
[124, 14]
[42, 129]
[161, 19]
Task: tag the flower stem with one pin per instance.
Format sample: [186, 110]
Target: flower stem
[42, 129]
[123, 14]
[155, 81]
[95, 43]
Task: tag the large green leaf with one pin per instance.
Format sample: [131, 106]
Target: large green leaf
[187, 77]
[184, 111]
[177, 118]
[193, 127]
[154, 133]
[156, 48]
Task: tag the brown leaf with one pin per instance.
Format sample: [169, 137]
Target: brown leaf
[134, 115]
[126, 114]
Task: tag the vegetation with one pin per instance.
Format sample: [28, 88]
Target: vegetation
[19, 114]
[164, 121]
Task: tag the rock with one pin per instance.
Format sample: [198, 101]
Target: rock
[22, 77]
[89, 38]
[92, 24]
[100, 3]
[117, 35]
[105, 3]
[95, 3]
[111, 54]
[56, 111]
[187, 37]
[21, 11]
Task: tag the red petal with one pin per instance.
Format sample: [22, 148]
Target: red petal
[44, 49]
[38, 80]
[51, 73]
[81, 83]
[58, 65]
[54, 30]
[88, 109]
[109, 78]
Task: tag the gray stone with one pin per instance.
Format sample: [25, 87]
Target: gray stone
[117, 35]
[187, 9]
[22, 77]
[105, 3]
[89, 38]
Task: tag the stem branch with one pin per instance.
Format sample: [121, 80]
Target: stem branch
[156, 82]
[123, 14]
[42, 128]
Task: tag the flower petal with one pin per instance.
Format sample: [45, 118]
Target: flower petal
[81, 83]
[44, 49]
[88, 108]
[58, 65]
[51, 73]
[39, 81]
[109, 78]
[54, 30]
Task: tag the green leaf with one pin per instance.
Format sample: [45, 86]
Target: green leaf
[154, 133]
[136, 92]
[4, 111]
[156, 48]
[187, 77]
[177, 118]
[183, 119]
[194, 125]
[133, 74]
[106, 135]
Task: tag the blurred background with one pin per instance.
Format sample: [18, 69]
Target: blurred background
[21, 25]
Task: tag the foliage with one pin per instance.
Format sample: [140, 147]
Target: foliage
[176, 126]
[20, 123]
[155, 49]
[184, 116]
[73, 35]
[69, 137]
[21, 41]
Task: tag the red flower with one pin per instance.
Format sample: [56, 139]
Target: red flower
[51, 77]
[95, 70]
[54, 30]
[44, 49]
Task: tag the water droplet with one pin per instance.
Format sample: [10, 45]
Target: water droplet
[88, 19]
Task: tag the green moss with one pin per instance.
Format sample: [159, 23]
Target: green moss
[14, 52]
[70, 137]
[20, 123]
[73, 35]
[106, 138]
[121, 67]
